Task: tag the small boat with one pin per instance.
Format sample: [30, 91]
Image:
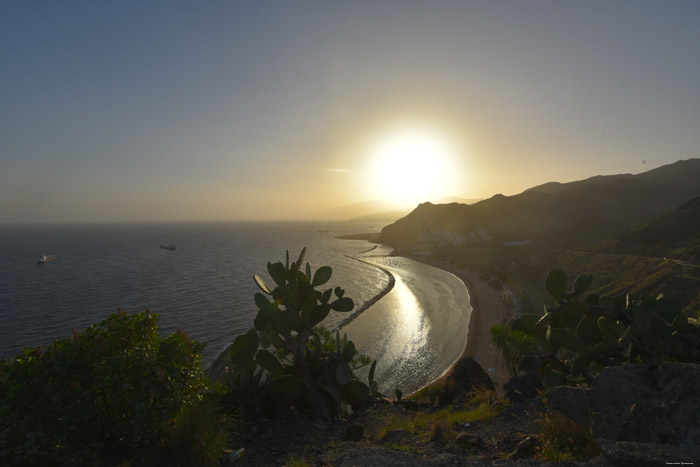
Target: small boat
[43, 259]
[170, 247]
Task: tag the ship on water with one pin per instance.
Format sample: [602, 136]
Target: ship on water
[43, 259]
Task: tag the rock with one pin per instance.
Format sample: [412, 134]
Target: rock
[525, 448]
[470, 440]
[396, 436]
[355, 431]
[524, 387]
[657, 404]
[625, 453]
[411, 404]
[373, 457]
[467, 376]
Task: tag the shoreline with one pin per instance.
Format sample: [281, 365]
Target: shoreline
[482, 297]
[425, 321]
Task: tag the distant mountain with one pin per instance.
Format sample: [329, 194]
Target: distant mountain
[378, 210]
[556, 187]
[555, 214]
[681, 172]
[354, 210]
[386, 216]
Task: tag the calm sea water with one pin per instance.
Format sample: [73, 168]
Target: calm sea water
[205, 287]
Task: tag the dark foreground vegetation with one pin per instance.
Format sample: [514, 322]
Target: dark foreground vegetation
[120, 393]
[605, 380]
[107, 393]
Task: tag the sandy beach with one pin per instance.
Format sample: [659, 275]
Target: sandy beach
[488, 310]
[418, 329]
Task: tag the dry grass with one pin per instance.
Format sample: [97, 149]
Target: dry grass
[296, 461]
[429, 393]
[565, 440]
[440, 425]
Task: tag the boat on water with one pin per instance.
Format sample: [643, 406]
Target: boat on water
[170, 247]
[43, 259]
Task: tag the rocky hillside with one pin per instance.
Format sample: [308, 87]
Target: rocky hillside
[674, 235]
[660, 256]
[562, 215]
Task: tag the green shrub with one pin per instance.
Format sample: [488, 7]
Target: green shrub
[198, 436]
[429, 393]
[515, 345]
[104, 392]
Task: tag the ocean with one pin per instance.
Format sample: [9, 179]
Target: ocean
[205, 287]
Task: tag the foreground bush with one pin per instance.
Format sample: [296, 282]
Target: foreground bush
[102, 393]
[198, 435]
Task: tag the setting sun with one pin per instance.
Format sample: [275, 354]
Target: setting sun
[409, 166]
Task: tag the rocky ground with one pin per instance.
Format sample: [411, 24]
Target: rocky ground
[364, 440]
[664, 427]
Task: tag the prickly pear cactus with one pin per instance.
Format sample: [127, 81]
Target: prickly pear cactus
[580, 336]
[301, 363]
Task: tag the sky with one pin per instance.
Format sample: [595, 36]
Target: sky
[174, 110]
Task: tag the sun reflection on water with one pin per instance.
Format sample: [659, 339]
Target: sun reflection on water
[397, 335]
[415, 331]
[410, 326]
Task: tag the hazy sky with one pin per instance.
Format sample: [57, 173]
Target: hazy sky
[147, 110]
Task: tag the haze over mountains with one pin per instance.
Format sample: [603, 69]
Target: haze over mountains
[563, 215]
[379, 210]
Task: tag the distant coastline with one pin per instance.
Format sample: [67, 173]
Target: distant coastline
[372, 237]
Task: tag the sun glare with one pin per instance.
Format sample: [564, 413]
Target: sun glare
[409, 167]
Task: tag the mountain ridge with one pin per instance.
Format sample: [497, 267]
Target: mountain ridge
[563, 215]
